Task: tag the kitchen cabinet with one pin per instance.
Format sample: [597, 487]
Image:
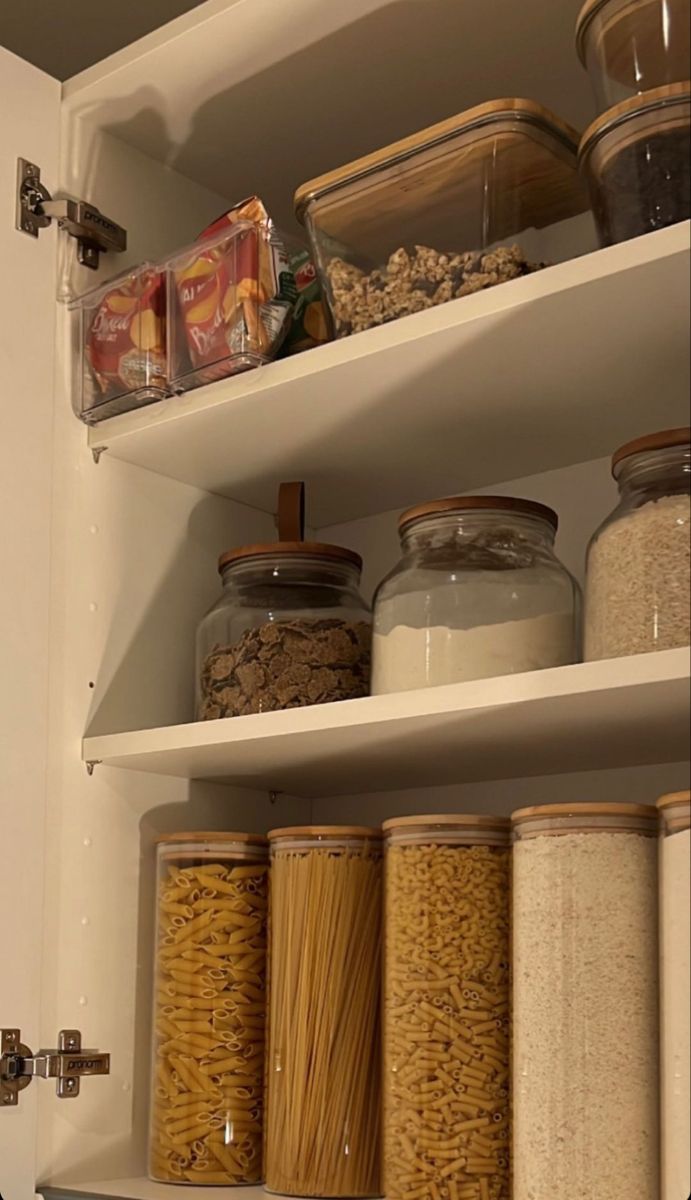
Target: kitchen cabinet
[111, 535]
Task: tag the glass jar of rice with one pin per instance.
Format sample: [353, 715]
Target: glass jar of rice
[446, 1008]
[638, 593]
[323, 1053]
[209, 1009]
[675, 968]
[585, 1003]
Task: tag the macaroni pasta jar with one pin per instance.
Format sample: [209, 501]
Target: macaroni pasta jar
[323, 1060]
[446, 1008]
[209, 1009]
[675, 942]
[585, 1003]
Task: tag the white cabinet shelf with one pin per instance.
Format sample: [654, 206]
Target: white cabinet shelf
[593, 715]
[548, 370]
[143, 1189]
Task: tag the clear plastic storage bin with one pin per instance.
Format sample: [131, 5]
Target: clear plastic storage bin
[675, 966]
[638, 572]
[209, 1009]
[478, 592]
[464, 205]
[585, 1003]
[230, 299]
[323, 1056]
[631, 46]
[290, 628]
[121, 338]
[446, 1008]
[637, 164]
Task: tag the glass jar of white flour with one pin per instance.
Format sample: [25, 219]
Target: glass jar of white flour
[479, 591]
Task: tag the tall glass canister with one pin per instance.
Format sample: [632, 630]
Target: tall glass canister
[675, 969]
[323, 1060]
[446, 1008]
[209, 1009]
[585, 1003]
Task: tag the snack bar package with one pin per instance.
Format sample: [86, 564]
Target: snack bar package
[122, 343]
[234, 293]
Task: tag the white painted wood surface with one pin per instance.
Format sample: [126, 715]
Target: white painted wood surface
[27, 326]
[140, 1188]
[548, 370]
[632, 710]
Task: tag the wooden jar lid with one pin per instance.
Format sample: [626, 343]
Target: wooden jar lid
[668, 96]
[556, 820]
[664, 440]
[462, 820]
[324, 831]
[314, 550]
[477, 503]
[255, 839]
[672, 799]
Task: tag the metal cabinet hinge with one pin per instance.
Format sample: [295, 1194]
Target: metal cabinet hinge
[35, 209]
[68, 1065]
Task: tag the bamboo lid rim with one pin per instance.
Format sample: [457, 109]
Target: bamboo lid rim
[540, 811]
[478, 503]
[314, 550]
[666, 439]
[528, 111]
[634, 106]
[458, 820]
[673, 799]
[325, 831]
[253, 839]
[585, 16]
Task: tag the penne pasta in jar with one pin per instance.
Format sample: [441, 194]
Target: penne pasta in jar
[209, 1010]
[446, 1008]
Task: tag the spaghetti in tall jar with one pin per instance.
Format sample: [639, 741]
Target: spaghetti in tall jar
[446, 1008]
[323, 1068]
[209, 1009]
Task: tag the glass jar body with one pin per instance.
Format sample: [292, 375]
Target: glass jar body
[446, 1008]
[323, 1055]
[584, 970]
[475, 594]
[288, 630]
[675, 969]
[638, 593]
[209, 1010]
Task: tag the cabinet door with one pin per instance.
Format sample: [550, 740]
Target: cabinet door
[29, 127]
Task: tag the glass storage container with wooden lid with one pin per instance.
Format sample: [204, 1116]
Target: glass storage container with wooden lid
[289, 629]
[631, 46]
[207, 1095]
[323, 1054]
[446, 1007]
[675, 969]
[585, 1002]
[635, 159]
[461, 206]
[478, 592]
[638, 575]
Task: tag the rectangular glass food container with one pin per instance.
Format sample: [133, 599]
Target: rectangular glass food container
[121, 345]
[478, 199]
[230, 298]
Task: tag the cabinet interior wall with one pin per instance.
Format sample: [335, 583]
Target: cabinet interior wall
[133, 567]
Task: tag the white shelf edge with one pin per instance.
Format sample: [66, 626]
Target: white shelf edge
[552, 281]
[141, 1188]
[317, 749]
